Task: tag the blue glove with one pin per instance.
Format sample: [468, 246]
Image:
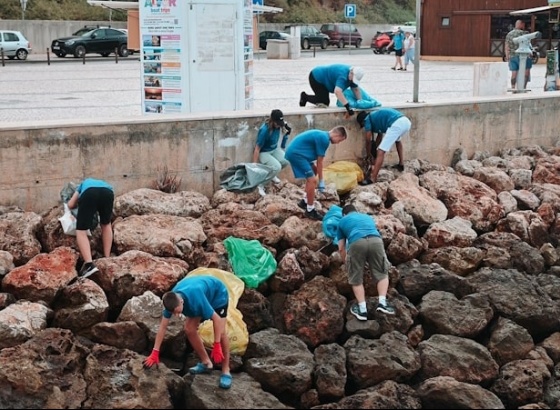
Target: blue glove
[321, 186]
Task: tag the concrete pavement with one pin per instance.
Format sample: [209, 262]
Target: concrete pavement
[104, 89]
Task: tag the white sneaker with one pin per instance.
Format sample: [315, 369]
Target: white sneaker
[261, 190]
[276, 180]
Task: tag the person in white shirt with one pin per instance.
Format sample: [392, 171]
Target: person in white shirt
[408, 47]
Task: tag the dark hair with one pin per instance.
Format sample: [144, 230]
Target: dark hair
[348, 208]
[170, 301]
[361, 118]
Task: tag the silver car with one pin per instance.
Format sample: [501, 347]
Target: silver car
[14, 44]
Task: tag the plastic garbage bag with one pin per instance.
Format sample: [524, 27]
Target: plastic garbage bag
[236, 328]
[365, 103]
[330, 222]
[245, 177]
[65, 194]
[345, 175]
[251, 261]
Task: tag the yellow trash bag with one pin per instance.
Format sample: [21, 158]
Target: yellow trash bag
[345, 175]
[236, 328]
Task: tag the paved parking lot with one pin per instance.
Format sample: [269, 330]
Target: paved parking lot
[34, 91]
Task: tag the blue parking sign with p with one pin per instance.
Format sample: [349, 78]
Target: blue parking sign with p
[350, 11]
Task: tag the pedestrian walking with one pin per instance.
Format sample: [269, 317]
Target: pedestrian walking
[408, 49]
[397, 43]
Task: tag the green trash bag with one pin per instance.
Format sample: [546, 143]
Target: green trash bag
[250, 261]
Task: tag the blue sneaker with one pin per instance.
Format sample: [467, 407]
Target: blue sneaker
[355, 310]
[388, 309]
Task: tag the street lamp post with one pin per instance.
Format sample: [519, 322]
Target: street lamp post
[23, 6]
[417, 42]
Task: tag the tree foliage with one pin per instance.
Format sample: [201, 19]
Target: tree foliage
[57, 10]
[294, 11]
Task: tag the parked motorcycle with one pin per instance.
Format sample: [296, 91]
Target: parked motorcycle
[380, 42]
[534, 55]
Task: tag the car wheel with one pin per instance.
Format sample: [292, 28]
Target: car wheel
[105, 54]
[21, 54]
[324, 44]
[123, 50]
[80, 51]
[340, 43]
[358, 43]
[306, 45]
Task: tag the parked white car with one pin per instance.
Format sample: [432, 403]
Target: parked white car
[14, 44]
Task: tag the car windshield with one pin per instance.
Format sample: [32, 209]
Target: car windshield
[84, 32]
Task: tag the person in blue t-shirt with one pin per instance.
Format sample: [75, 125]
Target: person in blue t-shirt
[397, 43]
[359, 242]
[198, 298]
[306, 153]
[92, 195]
[267, 150]
[334, 78]
[391, 126]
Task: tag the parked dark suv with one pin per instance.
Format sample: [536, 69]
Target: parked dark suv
[341, 34]
[311, 36]
[87, 40]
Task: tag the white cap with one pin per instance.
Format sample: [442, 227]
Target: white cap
[358, 74]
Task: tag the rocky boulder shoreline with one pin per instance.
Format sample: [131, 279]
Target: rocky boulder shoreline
[475, 249]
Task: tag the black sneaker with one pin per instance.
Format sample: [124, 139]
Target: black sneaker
[302, 204]
[398, 167]
[87, 270]
[302, 99]
[355, 310]
[388, 309]
[313, 214]
[365, 182]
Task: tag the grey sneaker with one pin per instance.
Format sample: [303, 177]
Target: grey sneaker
[261, 190]
[276, 180]
[355, 310]
[387, 308]
[87, 270]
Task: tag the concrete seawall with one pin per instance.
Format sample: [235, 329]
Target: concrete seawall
[36, 159]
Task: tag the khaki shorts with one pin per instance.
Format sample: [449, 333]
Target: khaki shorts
[372, 251]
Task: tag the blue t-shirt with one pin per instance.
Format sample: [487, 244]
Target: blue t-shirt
[398, 39]
[309, 145]
[380, 120]
[92, 183]
[331, 76]
[356, 226]
[201, 296]
[266, 140]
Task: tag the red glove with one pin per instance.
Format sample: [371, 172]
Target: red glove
[152, 359]
[217, 355]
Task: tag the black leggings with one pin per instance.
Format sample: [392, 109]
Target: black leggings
[321, 93]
